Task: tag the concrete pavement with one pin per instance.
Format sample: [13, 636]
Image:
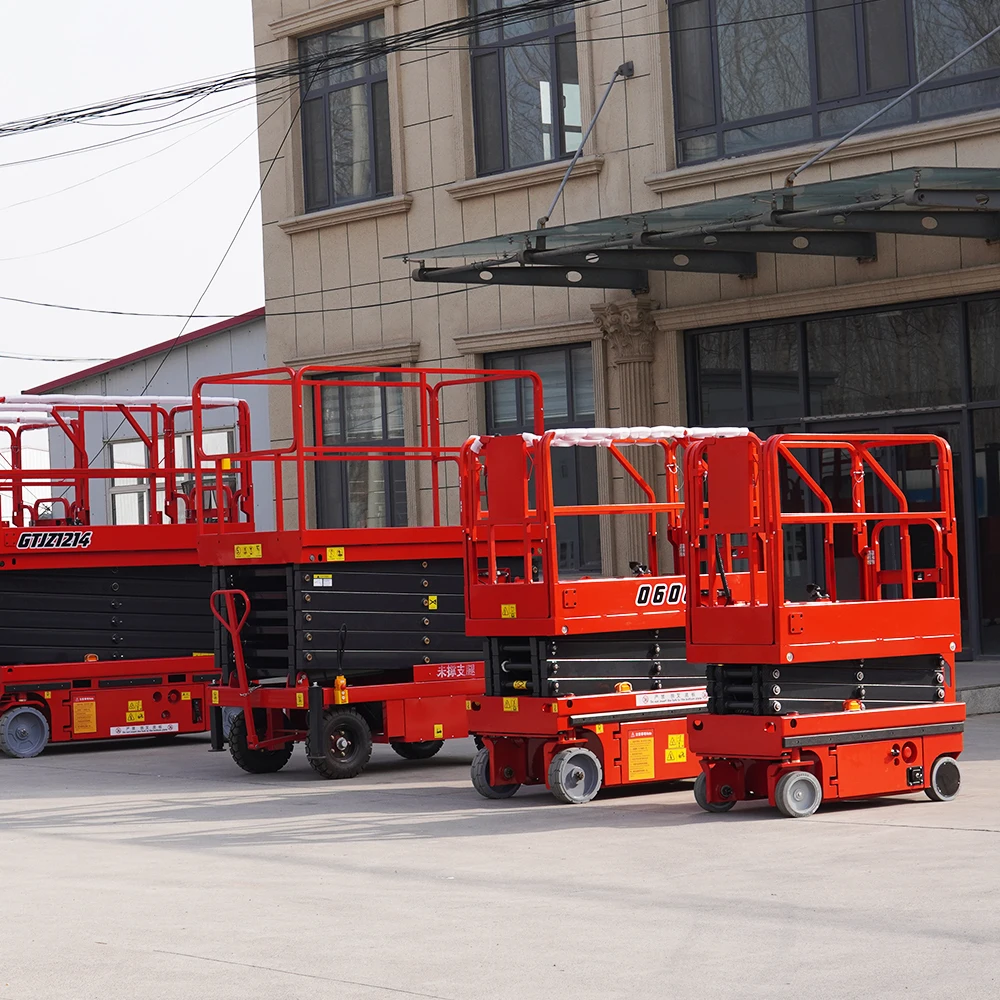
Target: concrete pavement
[164, 872]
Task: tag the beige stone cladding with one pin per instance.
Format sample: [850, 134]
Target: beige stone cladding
[333, 294]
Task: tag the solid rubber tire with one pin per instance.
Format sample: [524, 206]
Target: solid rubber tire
[254, 761]
[422, 750]
[9, 739]
[335, 768]
[934, 791]
[701, 797]
[562, 780]
[481, 778]
[792, 784]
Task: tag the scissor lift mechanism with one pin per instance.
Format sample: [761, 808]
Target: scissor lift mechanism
[841, 697]
[587, 684]
[102, 624]
[342, 637]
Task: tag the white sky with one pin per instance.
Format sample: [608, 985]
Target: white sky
[62, 54]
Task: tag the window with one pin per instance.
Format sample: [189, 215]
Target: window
[933, 367]
[526, 88]
[753, 74]
[130, 501]
[362, 493]
[129, 495]
[345, 120]
[567, 375]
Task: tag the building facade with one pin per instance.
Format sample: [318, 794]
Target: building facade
[469, 136]
[168, 369]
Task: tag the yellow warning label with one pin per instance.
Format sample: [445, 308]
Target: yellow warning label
[227, 464]
[468, 705]
[510, 704]
[599, 728]
[438, 732]
[508, 610]
[84, 717]
[675, 741]
[215, 697]
[185, 695]
[641, 765]
[46, 694]
[135, 716]
[135, 706]
[679, 755]
[203, 654]
[432, 602]
[254, 551]
[335, 553]
[300, 699]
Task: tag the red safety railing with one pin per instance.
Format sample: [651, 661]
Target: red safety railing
[513, 579]
[292, 467]
[763, 507]
[46, 495]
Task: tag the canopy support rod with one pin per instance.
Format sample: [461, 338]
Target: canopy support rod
[792, 174]
[626, 71]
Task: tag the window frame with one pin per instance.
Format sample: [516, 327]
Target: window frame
[308, 94]
[333, 491]
[150, 500]
[477, 50]
[517, 357]
[815, 107]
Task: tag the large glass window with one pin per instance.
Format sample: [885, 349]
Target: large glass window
[567, 375]
[753, 74]
[345, 120]
[892, 360]
[986, 435]
[929, 368]
[526, 88]
[362, 493]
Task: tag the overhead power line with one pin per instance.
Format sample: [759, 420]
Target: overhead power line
[343, 57]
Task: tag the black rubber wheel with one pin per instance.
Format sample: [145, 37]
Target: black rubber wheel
[798, 794]
[346, 745]
[423, 750]
[946, 780]
[575, 775]
[255, 761]
[24, 732]
[481, 778]
[701, 797]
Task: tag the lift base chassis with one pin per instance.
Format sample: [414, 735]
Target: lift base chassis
[636, 736]
[853, 755]
[431, 707]
[101, 700]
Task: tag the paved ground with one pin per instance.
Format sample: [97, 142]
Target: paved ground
[163, 872]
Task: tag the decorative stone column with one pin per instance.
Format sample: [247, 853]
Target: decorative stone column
[630, 332]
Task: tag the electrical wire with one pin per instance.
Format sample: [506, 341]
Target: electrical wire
[243, 101]
[120, 166]
[153, 208]
[190, 316]
[343, 57]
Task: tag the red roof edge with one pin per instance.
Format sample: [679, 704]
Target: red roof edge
[146, 352]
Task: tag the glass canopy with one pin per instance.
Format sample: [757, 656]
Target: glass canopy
[913, 191]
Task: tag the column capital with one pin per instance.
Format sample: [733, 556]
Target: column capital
[629, 328]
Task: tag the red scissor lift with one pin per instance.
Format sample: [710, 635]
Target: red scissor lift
[339, 637]
[849, 694]
[104, 628]
[587, 683]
